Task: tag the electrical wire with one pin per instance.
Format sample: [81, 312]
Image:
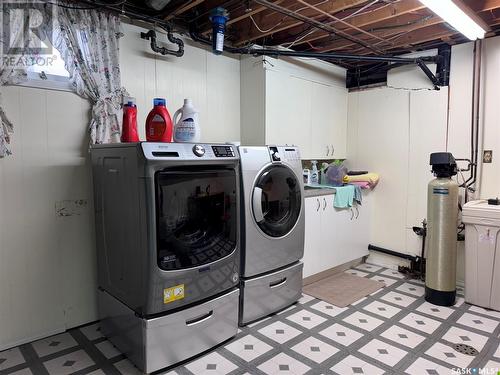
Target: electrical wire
[60, 5]
[266, 31]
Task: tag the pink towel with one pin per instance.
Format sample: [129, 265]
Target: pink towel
[361, 184]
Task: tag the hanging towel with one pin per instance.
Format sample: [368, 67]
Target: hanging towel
[358, 196]
[344, 196]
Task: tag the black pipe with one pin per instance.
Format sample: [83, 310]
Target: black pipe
[392, 252]
[151, 35]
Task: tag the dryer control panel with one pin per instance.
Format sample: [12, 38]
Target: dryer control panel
[284, 153]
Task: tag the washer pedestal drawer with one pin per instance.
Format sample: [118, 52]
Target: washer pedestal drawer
[267, 294]
[152, 344]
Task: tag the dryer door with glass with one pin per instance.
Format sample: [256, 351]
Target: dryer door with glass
[275, 233]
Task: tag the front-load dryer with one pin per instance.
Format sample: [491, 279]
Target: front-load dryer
[272, 229]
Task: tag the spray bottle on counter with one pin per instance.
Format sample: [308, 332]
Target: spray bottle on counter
[314, 173]
[159, 123]
[186, 128]
[129, 124]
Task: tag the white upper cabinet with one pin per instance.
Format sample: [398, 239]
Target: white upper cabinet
[303, 105]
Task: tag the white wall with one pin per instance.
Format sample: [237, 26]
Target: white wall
[47, 262]
[392, 130]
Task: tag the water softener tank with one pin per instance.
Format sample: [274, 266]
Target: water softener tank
[442, 215]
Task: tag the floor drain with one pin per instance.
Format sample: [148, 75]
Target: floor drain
[465, 349]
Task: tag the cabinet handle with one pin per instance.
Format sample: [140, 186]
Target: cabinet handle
[200, 319]
[357, 212]
[278, 283]
[319, 204]
[332, 149]
[352, 214]
[324, 204]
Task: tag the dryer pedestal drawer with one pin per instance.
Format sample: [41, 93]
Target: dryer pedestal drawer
[264, 295]
[152, 344]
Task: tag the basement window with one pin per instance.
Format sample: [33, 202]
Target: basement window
[48, 72]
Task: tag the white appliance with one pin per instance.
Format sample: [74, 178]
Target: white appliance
[272, 230]
[482, 254]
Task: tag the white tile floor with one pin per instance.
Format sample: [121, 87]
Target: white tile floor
[393, 331]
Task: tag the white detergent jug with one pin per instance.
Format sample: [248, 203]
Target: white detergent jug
[186, 128]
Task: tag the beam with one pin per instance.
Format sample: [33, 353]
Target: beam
[183, 8]
[335, 19]
[483, 6]
[389, 35]
[268, 22]
[384, 13]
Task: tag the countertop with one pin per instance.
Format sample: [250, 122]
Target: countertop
[316, 192]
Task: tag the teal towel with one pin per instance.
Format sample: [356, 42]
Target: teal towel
[344, 196]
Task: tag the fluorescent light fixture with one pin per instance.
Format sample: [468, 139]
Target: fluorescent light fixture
[456, 17]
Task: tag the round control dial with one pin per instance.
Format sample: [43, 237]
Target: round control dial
[199, 150]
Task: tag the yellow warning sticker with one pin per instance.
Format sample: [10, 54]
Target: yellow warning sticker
[173, 294]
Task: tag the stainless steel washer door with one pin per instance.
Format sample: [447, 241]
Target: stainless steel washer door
[276, 200]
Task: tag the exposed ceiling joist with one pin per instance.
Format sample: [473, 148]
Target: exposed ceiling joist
[391, 35]
[276, 23]
[483, 5]
[183, 9]
[381, 14]
[472, 14]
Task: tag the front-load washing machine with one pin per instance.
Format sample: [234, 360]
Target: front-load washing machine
[272, 230]
[168, 248]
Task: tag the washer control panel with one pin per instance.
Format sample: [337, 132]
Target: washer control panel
[223, 151]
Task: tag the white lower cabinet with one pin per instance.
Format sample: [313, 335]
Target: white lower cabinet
[334, 236]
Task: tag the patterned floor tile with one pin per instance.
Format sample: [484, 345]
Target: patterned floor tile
[382, 309]
[361, 320]
[457, 335]
[392, 330]
[493, 367]
[279, 332]
[423, 366]
[125, 367]
[411, 289]
[305, 298]
[388, 281]
[420, 322]
[10, 358]
[306, 319]
[352, 365]
[368, 267]
[478, 322]
[315, 349]
[92, 332]
[212, 363]
[328, 309]
[69, 363]
[399, 299]
[479, 310]
[355, 272]
[251, 325]
[248, 348]
[108, 349]
[383, 352]
[283, 364]
[403, 336]
[24, 371]
[447, 354]
[393, 273]
[341, 334]
[54, 344]
[440, 312]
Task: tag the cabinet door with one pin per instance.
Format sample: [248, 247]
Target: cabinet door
[328, 121]
[312, 248]
[334, 224]
[288, 109]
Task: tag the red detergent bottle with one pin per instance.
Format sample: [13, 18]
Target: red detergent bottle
[159, 123]
[129, 125]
